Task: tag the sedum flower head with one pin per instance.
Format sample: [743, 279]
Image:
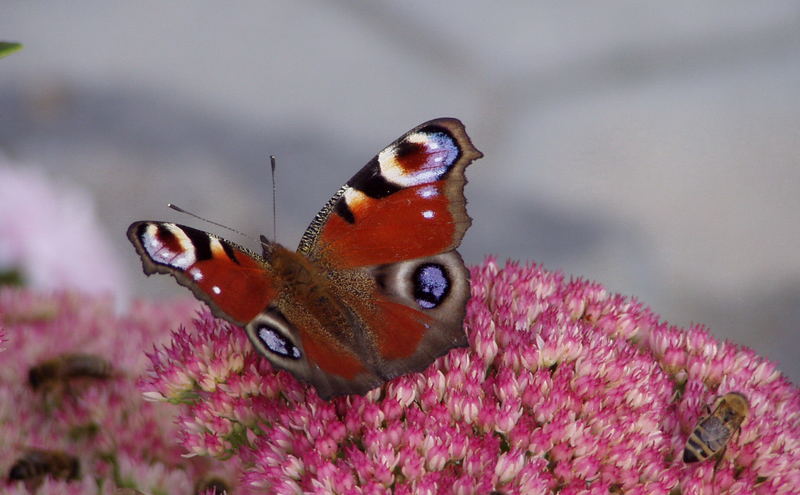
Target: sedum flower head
[565, 389]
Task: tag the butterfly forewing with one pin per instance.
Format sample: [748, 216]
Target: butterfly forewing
[407, 202]
[235, 283]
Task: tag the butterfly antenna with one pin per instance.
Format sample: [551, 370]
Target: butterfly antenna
[274, 200]
[181, 210]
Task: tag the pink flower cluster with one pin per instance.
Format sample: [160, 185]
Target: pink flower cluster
[119, 439]
[564, 389]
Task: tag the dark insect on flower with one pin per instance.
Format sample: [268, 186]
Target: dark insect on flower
[713, 432]
[37, 464]
[212, 485]
[66, 368]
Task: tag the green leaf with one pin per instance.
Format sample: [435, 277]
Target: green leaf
[9, 47]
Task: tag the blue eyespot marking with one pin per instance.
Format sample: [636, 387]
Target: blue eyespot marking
[431, 285]
[278, 343]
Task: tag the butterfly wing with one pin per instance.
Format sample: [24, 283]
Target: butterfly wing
[407, 202]
[236, 284]
[396, 224]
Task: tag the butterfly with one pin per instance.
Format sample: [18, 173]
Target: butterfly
[376, 288]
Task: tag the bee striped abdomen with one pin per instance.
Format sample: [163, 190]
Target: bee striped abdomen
[706, 440]
[711, 435]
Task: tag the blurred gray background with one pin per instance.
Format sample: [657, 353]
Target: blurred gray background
[653, 147]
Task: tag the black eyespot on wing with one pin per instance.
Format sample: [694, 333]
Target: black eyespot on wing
[405, 148]
[344, 211]
[436, 129]
[431, 284]
[200, 241]
[229, 252]
[275, 341]
[371, 182]
[141, 228]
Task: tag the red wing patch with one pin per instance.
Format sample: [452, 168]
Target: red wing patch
[332, 357]
[398, 329]
[411, 223]
[232, 281]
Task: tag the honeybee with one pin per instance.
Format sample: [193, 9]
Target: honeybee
[713, 432]
[36, 464]
[66, 368]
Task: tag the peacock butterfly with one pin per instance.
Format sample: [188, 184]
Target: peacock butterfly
[376, 288]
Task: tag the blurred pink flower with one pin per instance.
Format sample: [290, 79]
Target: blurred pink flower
[50, 234]
[118, 438]
[565, 389]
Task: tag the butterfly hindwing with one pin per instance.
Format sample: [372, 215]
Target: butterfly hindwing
[235, 283]
[420, 308]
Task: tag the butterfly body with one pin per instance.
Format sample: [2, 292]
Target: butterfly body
[375, 289]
